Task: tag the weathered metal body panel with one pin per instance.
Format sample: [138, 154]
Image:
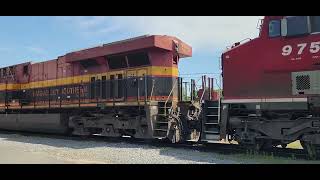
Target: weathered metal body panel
[46, 123]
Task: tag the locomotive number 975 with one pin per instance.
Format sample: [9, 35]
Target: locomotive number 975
[314, 47]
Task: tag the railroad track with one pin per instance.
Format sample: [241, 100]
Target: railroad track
[220, 148]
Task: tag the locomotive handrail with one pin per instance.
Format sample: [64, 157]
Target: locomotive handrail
[204, 91]
[218, 84]
[259, 24]
[245, 39]
[165, 104]
[151, 94]
[238, 43]
[200, 102]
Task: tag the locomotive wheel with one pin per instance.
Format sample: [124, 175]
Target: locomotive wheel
[174, 134]
[262, 145]
[302, 144]
[258, 145]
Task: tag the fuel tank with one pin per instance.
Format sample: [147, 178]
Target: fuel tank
[45, 123]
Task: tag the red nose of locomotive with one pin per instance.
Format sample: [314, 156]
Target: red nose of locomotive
[283, 62]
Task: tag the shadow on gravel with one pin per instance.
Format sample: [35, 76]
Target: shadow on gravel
[179, 153]
[198, 156]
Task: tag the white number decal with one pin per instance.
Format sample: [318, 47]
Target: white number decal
[301, 46]
[315, 47]
[286, 50]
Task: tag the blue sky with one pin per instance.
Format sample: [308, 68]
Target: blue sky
[28, 38]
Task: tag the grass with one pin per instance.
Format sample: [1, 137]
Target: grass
[252, 157]
[293, 145]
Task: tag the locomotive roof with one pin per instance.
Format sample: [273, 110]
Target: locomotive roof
[142, 42]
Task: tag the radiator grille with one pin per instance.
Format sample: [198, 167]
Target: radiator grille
[303, 82]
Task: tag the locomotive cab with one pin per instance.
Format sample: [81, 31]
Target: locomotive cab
[275, 78]
[267, 64]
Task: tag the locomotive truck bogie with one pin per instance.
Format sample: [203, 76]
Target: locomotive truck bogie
[125, 122]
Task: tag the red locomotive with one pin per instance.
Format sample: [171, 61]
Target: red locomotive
[271, 84]
[270, 91]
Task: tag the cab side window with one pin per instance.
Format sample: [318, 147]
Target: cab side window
[275, 28]
[117, 62]
[138, 59]
[297, 25]
[315, 24]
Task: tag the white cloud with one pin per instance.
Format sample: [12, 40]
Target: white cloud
[84, 22]
[207, 33]
[90, 25]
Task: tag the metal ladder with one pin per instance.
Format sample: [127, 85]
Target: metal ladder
[161, 124]
[211, 121]
[161, 121]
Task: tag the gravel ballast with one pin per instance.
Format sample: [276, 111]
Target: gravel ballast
[16, 148]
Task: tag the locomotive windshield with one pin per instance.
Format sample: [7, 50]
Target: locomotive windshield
[315, 24]
[296, 26]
